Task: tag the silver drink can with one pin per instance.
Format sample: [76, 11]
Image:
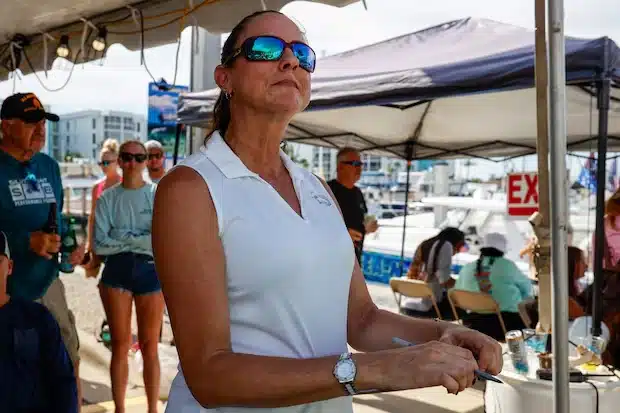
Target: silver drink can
[517, 350]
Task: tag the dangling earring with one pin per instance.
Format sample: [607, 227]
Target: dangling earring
[227, 94]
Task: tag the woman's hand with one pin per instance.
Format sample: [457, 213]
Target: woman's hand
[486, 350]
[428, 365]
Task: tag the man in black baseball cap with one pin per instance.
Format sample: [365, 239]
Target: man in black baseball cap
[30, 182]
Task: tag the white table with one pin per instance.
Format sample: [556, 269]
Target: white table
[527, 394]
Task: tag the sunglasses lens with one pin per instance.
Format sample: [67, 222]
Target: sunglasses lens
[128, 157]
[266, 48]
[305, 55]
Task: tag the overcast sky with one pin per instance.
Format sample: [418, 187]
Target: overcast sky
[121, 83]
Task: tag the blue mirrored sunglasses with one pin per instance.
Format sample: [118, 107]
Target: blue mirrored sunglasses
[271, 48]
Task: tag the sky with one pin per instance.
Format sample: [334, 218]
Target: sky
[120, 82]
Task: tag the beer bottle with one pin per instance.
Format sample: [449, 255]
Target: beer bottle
[68, 244]
[51, 226]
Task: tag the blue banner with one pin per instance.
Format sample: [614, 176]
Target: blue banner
[380, 268]
[162, 116]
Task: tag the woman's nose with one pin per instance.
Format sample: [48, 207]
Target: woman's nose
[288, 61]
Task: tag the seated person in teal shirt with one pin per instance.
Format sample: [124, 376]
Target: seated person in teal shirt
[501, 278]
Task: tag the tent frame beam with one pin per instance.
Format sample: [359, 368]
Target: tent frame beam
[603, 103]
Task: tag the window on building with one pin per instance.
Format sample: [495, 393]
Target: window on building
[138, 127]
[94, 139]
[94, 123]
[68, 126]
[112, 122]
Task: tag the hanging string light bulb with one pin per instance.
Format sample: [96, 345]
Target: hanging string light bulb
[99, 44]
[63, 50]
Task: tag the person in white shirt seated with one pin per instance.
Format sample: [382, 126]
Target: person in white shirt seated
[432, 263]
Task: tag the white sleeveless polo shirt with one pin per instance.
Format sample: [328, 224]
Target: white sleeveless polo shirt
[288, 277]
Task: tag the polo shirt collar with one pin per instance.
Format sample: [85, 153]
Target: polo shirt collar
[218, 151]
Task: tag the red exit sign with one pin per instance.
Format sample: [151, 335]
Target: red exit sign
[522, 194]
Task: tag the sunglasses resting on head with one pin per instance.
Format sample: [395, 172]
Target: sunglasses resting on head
[271, 49]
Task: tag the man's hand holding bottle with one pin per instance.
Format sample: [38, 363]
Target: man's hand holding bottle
[44, 244]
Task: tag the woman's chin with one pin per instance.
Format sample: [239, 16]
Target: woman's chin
[289, 103]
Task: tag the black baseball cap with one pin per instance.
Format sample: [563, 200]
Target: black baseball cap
[26, 107]
[4, 245]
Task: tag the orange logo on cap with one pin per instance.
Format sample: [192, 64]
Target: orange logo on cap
[36, 103]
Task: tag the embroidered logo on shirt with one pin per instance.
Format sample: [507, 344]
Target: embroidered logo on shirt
[146, 211]
[322, 199]
[26, 192]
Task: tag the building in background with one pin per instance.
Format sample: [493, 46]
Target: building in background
[377, 170]
[80, 134]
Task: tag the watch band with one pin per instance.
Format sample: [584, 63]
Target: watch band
[350, 388]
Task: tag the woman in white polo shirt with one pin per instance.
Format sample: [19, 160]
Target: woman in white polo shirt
[258, 269]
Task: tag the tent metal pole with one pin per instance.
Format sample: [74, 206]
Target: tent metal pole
[542, 229]
[559, 210]
[177, 141]
[409, 150]
[604, 96]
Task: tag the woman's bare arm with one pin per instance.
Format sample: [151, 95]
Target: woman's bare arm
[191, 266]
[91, 219]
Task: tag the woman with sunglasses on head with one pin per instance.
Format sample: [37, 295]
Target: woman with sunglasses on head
[108, 162]
[259, 272]
[123, 237]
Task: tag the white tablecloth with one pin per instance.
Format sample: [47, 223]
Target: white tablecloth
[527, 394]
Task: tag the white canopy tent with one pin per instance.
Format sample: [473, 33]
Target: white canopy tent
[160, 22]
[463, 88]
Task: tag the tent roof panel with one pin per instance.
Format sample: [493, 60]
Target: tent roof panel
[461, 88]
[58, 17]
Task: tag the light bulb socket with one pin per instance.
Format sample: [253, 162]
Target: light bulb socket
[99, 44]
[63, 49]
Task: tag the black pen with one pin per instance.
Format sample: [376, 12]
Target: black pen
[480, 374]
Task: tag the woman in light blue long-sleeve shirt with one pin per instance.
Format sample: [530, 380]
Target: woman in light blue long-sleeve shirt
[500, 277]
[123, 237]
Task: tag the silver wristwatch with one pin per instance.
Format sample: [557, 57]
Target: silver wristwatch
[345, 371]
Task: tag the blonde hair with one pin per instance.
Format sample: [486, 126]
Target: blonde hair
[109, 146]
[133, 141]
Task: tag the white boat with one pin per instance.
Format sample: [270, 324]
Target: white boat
[476, 217]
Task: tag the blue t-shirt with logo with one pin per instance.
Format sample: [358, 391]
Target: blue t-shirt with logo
[27, 189]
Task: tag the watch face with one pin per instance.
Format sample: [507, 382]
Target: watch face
[345, 370]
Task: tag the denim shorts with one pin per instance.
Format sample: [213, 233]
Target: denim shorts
[134, 273]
